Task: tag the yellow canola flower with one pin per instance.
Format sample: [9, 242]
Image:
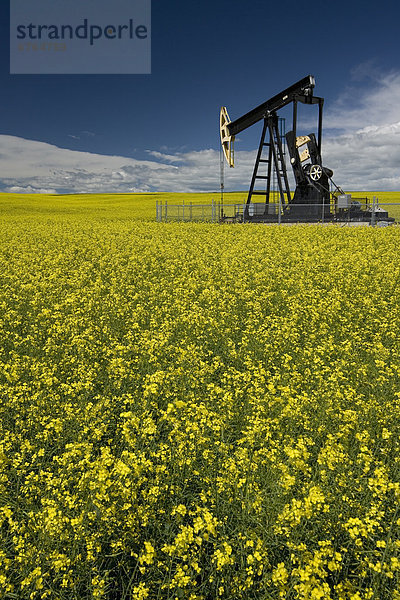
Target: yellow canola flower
[196, 411]
[147, 557]
[223, 556]
[140, 592]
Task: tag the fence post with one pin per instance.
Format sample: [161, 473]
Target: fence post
[212, 210]
[183, 209]
[373, 219]
[166, 211]
[279, 210]
[323, 210]
[190, 211]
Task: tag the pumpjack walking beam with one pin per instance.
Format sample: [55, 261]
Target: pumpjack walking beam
[302, 91]
[303, 88]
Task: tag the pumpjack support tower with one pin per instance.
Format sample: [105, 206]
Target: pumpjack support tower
[315, 195]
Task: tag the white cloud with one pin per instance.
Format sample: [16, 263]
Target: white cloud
[17, 189]
[361, 144]
[362, 141]
[32, 166]
[165, 157]
[375, 103]
[367, 159]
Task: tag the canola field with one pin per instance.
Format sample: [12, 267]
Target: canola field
[196, 411]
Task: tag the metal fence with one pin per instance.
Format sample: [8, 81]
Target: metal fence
[361, 211]
[210, 212]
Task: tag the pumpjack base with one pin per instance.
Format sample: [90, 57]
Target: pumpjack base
[312, 214]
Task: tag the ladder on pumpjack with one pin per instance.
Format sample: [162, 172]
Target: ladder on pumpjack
[271, 160]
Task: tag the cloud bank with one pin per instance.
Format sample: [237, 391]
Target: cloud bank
[361, 144]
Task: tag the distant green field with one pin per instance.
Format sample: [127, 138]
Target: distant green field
[129, 206]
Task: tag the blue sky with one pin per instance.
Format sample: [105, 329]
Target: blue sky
[159, 132]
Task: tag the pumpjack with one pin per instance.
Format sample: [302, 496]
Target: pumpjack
[316, 196]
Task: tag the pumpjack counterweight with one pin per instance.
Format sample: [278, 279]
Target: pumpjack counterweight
[316, 196]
